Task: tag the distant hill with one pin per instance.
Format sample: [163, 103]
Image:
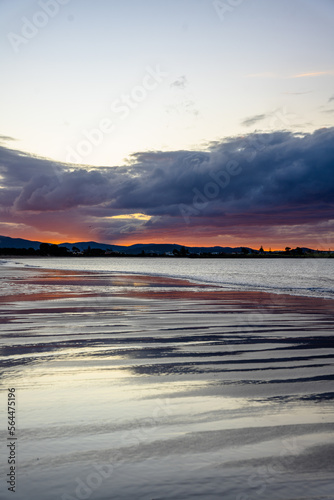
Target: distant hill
[148, 247]
[83, 245]
[138, 248]
[7, 242]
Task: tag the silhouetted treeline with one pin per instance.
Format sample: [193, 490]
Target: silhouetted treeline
[51, 250]
[54, 250]
[19, 251]
[44, 250]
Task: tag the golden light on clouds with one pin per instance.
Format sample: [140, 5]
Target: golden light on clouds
[284, 77]
[137, 216]
[317, 73]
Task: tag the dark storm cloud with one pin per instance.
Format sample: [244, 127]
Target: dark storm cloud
[71, 189]
[258, 179]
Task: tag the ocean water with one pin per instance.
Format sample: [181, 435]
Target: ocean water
[127, 392]
[305, 277]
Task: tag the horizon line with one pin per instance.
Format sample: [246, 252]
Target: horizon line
[270, 248]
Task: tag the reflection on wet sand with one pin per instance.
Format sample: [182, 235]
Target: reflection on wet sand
[143, 387]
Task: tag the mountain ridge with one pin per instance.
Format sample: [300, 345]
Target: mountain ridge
[135, 249]
[8, 242]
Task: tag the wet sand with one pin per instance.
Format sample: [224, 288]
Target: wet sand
[137, 387]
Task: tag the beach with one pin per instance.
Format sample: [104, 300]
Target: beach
[148, 387]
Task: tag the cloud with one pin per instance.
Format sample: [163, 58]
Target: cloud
[237, 186]
[331, 99]
[73, 188]
[298, 93]
[181, 83]
[183, 103]
[253, 119]
[184, 107]
[263, 75]
[315, 73]
[299, 75]
[130, 217]
[5, 138]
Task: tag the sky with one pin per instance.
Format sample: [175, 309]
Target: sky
[198, 122]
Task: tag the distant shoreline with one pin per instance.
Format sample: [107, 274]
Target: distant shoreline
[273, 255]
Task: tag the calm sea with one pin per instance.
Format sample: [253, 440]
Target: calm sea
[119, 397]
[307, 277]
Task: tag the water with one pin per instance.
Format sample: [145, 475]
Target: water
[305, 277]
[136, 388]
